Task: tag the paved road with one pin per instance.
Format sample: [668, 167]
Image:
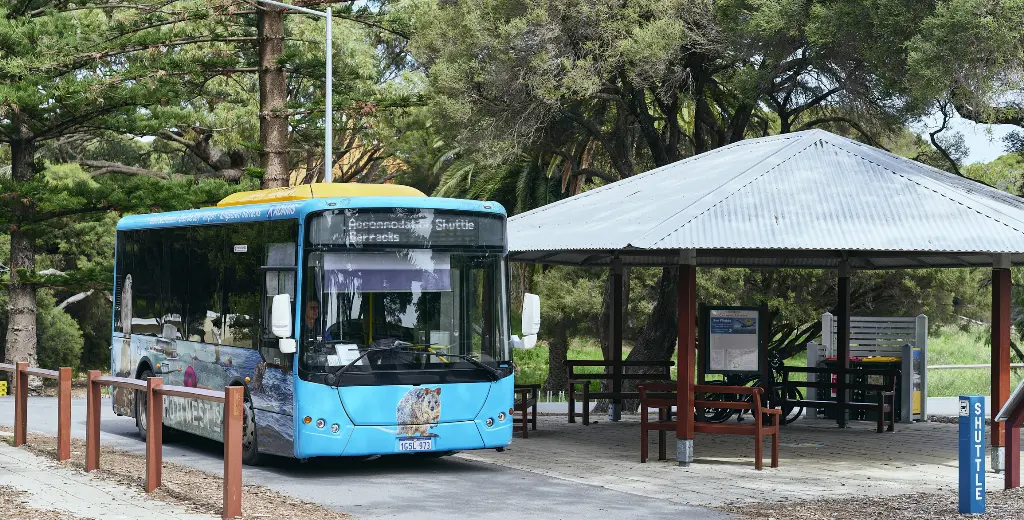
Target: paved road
[387, 487]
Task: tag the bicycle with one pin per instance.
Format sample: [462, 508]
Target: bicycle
[790, 412]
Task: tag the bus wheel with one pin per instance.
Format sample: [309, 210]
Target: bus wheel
[140, 406]
[250, 453]
[168, 434]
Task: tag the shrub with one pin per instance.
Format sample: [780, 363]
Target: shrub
[58, 338]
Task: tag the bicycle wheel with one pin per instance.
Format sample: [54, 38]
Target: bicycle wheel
[715, 415]
[792, 412]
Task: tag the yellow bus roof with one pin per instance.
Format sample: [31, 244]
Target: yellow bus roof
[319, 191]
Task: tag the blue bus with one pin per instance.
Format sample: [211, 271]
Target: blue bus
[361, 319]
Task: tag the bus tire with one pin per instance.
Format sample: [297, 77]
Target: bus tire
[140, 405]
[168, 434]
[250, 446]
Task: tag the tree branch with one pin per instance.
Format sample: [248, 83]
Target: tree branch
[944, 108]
[68, 213]
[815, 101]
[83, 60]
[839, 119]
[76, 298]
[105, 167]
[1010, 114]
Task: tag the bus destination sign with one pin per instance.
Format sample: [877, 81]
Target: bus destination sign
[405, 228]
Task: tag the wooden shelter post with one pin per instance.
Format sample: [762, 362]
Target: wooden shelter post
[1001, 284]
[686, 356]
[843, 338]
[615, 407]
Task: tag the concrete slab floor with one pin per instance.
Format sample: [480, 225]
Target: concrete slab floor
[816, 459]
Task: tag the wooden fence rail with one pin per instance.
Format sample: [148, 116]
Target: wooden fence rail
[21, 373]
[231, 397]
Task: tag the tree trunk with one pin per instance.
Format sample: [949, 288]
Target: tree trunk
[558, 349]
[273, 95]
[21, 327]
[657, 339]
[606, 331]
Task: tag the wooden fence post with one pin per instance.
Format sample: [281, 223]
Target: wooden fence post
[64, 414]
[154, 433]
[92, 424]
[233, 402]
[20, 403]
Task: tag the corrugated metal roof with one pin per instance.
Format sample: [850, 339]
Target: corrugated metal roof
[803, 199]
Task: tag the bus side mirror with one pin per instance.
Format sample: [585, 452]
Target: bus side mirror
[281, 316]
[531, 322]
[286, 345]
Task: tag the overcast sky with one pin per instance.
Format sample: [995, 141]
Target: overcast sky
[985, 141]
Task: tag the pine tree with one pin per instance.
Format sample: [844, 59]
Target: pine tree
[85, 69]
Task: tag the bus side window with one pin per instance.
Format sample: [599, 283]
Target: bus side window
[281, 239]
[241, 298]
[147, 307]
[278, 281]
[206, 262]
[174, 282]
[281, 249]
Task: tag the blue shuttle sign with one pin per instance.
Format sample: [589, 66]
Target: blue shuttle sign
[972, 454]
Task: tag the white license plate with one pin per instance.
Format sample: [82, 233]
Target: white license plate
[415, 444]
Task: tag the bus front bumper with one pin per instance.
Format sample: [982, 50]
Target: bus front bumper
[383, 440]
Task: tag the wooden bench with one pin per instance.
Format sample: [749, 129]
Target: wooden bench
[526, 401]
[663, 398]
[884, 403]
[576, 377]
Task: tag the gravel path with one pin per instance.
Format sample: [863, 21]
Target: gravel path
[1001, 505]
[14, 506]
[195, 490]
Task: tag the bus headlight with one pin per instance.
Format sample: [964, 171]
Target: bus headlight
[489, 422]
[501, 416]
[335, 428]
[320, 423]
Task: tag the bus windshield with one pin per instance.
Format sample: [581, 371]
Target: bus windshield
[383, 313]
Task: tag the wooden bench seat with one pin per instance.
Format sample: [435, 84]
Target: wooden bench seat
[526, 401]
[576, 377]
[663, 397]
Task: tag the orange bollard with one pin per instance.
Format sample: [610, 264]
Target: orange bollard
[20, 403]
[64, 414]
[233, 402]
[154, 433]
[92, 424]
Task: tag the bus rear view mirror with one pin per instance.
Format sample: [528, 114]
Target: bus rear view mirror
[286, 345]
[281, 316]
[531, 314]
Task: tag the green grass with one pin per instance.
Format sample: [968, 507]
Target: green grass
[949, 345]
[955, 346]
[533, 363]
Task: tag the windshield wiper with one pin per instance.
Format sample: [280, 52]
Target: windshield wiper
[332, 376]
[495, 375]
[331, 379]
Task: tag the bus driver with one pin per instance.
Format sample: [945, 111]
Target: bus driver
[311, 326]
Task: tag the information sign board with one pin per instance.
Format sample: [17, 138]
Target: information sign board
[732, 340]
